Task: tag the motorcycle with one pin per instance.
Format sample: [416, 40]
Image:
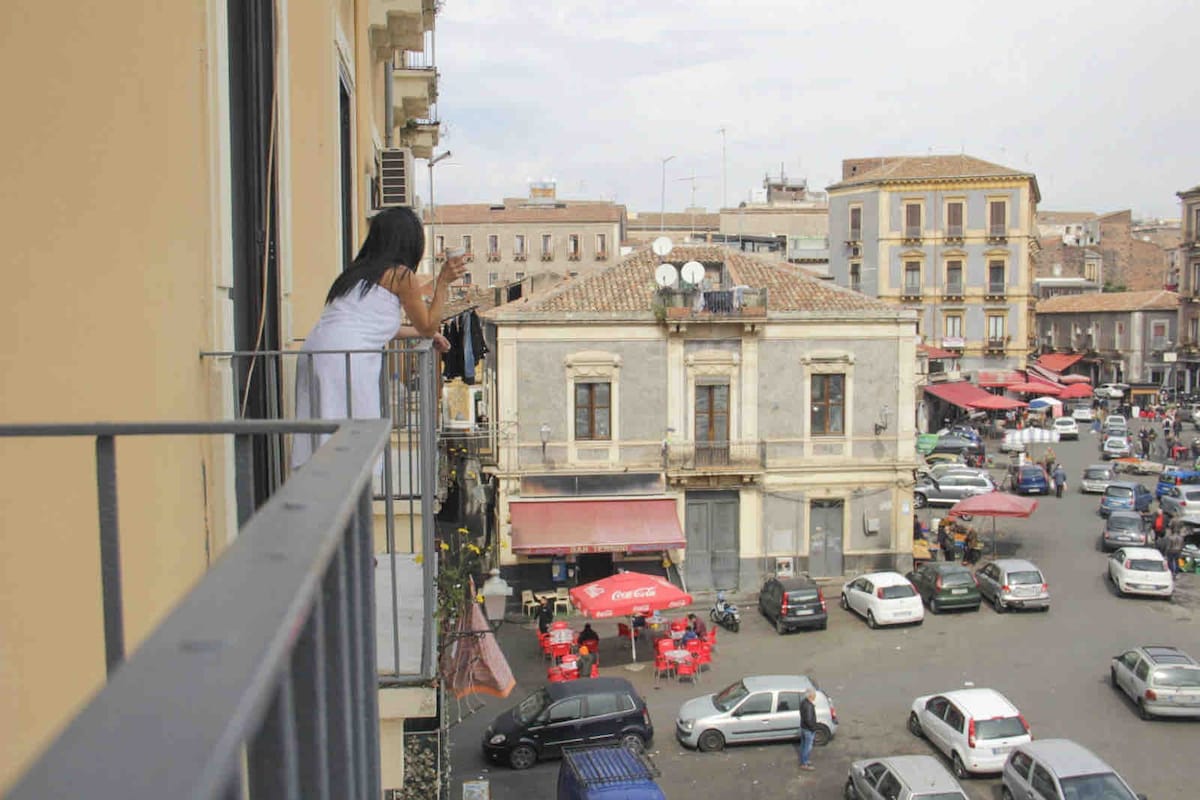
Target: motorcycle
[725, 614]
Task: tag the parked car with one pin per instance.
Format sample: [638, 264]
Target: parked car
[936, 471]
[974, 728]
[1123, 528]
[1175, 477]
[960, 445]
[1066, 427]
[1125, 496]
[963, 431]
[1114, 391]
[1161, 681]
[593, 711]
[1049, 769]
[883, 598]
[1031, 479]
[1116, 425]
[1182, 503]
[951, 487]
[1010, 583]
[944, 585]
[791, 603]
[934, 459]
[902, 778]
[1140, 570]
[1115, 446]
[605, 772]
[1083, 414]
[1096, 478]
[761, 708]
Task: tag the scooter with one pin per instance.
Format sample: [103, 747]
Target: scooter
[725, 614]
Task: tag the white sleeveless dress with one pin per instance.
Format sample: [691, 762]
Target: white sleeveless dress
[351, 322]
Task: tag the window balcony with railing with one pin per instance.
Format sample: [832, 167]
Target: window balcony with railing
[954, 291]
[1160, 343]
[737, 457]
[997, 233]
[911, 291]
[263, 680]
[912, 234]
[414, 81]
[734, 303]
[995, 343]
[995, 290]
[954, 233]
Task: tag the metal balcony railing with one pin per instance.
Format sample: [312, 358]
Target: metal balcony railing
[728, 456]
[954, 290]
[733, 302]
[261, 682]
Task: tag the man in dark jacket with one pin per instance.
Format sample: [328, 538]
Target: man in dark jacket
[545, 615]
[808, 728]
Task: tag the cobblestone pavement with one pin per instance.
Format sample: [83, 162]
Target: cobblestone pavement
[1053, 666]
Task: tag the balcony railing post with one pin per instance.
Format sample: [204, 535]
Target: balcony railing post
[243, 457]
[271, 754]
[110, 553]
[428, 478]
[337, 678]
[365, 544]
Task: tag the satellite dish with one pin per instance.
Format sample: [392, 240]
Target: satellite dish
[662, 245]
[665, 275]
[692, 272]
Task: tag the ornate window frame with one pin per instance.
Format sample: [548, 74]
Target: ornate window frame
[594, 366]
[827, 363]
[708, 367]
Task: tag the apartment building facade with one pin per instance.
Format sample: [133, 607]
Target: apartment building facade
[506, 242]
[755, 420]
[1187, 266]
[950, 237]
[226, 176]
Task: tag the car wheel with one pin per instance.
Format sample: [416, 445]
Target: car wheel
[919, 500]
[780, 628]
[1143, 712]
[960, 770]
[871, 623]
[850, 792]
[935, 606]
[734, 625]
[845, 602]
[1112, 678]
[522, 757]
[977, 605]
[914, 725]
[633, 743]
[1005, 794]
[710, 742]
[998, 604]
[822, 736]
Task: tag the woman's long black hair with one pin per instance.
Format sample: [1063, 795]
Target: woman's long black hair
[396, 238]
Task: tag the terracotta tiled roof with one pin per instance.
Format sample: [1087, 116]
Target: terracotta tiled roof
[910, 168]
[484, 214]
[629, 287]
[1112, 301]
[643, 220]
[1064, 217]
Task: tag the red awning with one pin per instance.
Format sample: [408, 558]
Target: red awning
[594, 526]
[1058, 361]
[936, 353]
[998, 377]
[960, 393]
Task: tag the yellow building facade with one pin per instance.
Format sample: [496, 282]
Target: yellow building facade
[182, 176]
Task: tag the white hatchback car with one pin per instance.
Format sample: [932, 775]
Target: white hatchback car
[975, 728]
[883, 598]
[1140, 570]
[1083, 414]
[1066, 428]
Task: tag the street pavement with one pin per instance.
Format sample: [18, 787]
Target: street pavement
[1053, 666]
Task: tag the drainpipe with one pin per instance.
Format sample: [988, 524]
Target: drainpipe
[389, 112]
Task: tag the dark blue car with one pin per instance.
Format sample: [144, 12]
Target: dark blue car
[1032, 479]
[1175, 477]
[1125, 496]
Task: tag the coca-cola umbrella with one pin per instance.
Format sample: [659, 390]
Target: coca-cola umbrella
[994, 504]
[626, 594]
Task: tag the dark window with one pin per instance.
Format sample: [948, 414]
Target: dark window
[954, 718]
[855, 224]
[567, 710]
[954, 219]
[889, 787]
[758, 703]
[593, 411]
[912, 277]
[912, 221]
[937, 706]
[954, 277]
[626, 702]
[712, 423]
[874, 772]
[856, 276]
[1142, 671]
[1000, 728]
[1043, 784]
[997, 218]
[828, 404]
[601, 704]
[788, 701]
[1021, 764]
[996, 277]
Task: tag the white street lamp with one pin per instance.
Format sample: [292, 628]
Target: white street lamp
[662, 197]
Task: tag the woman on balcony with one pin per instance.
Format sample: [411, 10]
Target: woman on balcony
[364, 310]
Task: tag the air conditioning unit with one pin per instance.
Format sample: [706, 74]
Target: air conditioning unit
[785, 567]
[394, 177]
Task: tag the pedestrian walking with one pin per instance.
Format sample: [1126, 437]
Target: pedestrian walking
[1060, 479]
[1159, 526]
[1174, 546]
[808, 729]
[545, 615]
[971, 547]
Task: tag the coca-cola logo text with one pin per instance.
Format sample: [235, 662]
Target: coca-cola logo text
[634, 594]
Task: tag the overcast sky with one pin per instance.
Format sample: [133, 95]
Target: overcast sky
[1097, 99]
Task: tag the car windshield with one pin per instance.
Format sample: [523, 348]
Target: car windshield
[940, 796]
[957, 579]
[1024, 577]
[1119, 522]
[1120, 492]
[531, 706]
[801, 595]
[730, 696]
[1147, 565]
[999, 728]
[1192, 495]
[1105, 784]
[1178, 677]
[1099, 474]
[1031, 473]
[898, 591]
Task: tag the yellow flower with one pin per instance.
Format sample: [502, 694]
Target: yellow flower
[463, 530]
[473, 548]
[443, 545]
[478, 598]
[419, 558]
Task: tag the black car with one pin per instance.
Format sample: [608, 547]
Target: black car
[581, 712]
[792, 603]
[967, 448]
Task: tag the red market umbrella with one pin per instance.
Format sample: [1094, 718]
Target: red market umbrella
[1076, 391]
[994, 504]
[996, 403]
[1034, 387]
[626, 594]
[1074, 379]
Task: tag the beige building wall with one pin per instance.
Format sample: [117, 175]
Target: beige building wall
[118, 262]
[507, 266]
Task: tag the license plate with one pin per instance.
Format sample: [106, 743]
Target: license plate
[903, 613]
[1025, 591]
[958, 591]
[803, 612]
[999, 751]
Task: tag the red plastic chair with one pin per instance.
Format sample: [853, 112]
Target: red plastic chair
[686, 669]
[555, 675]
[558, 651]
[711, 638]
[664, 644]
[663, 666]
[624, 631]
[544, 642]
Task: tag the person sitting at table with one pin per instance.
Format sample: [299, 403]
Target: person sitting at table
[639, 625]
[689, 633]
[545, 615]
[589, 637]
[698, 626]
[585, 662]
